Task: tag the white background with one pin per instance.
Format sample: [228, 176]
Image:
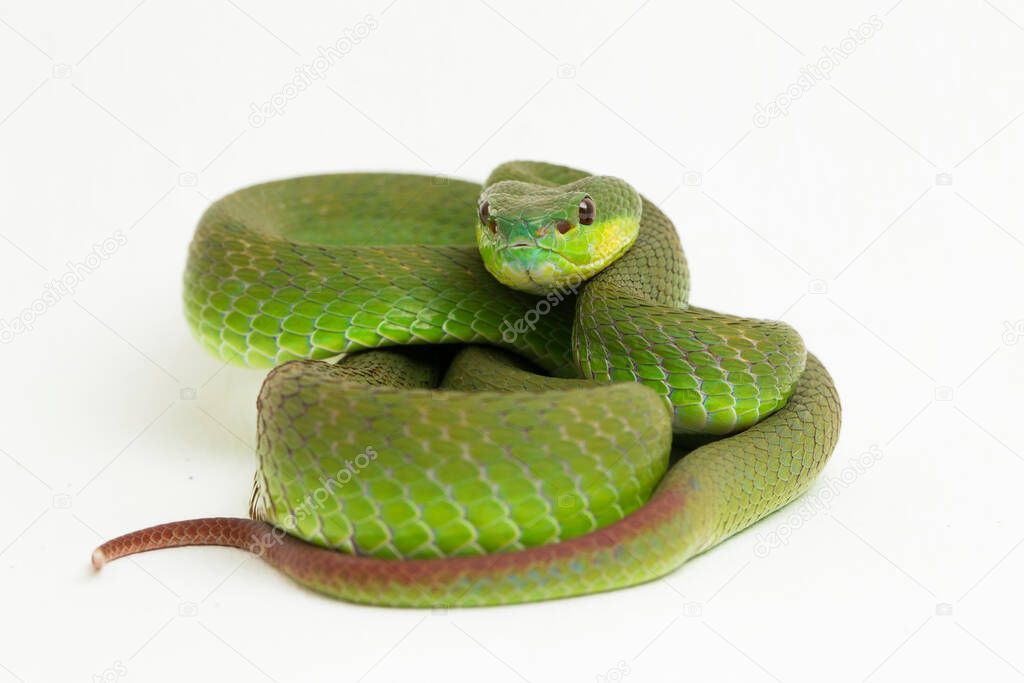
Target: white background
[881, 215]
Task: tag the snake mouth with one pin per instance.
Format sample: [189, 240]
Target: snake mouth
[532, 254]
[521, 246]
[533, 268]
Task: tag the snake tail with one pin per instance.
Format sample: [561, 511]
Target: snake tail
[708, 495]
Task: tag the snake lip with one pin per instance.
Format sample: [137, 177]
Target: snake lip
[519, 245]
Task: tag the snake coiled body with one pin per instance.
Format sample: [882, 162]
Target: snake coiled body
[476, 444]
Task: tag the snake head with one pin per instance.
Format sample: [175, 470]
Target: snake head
[542, 239]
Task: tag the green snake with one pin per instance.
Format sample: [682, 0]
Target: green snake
[531, 414]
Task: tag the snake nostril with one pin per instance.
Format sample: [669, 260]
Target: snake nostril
[563, 227]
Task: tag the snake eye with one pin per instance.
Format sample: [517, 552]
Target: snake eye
[484, 212]
[587, 211]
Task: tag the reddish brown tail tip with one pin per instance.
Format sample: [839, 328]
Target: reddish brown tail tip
[227, 531]
[99, 558]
